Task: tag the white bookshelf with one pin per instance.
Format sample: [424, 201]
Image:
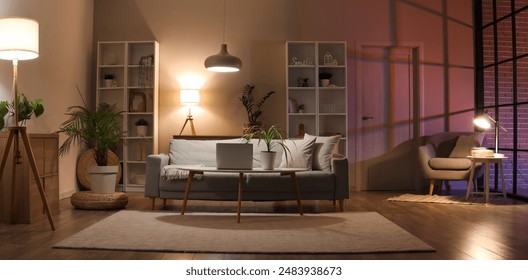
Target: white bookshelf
[135, 91]
[325, 110]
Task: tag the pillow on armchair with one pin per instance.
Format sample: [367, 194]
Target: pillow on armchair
[465, 143]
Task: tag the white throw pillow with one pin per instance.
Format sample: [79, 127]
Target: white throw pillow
[324, 149]
[301, 153]
[465, 143]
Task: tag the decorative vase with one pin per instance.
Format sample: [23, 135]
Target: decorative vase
[325, 82]
[141, 130]
[268, 159]
[103, 178]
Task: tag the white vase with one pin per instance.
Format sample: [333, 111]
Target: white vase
[267, 160]
[103, 178]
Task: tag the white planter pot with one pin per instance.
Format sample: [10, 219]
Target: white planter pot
[141, 130]
[108, 82]
[103, 178]
[268, 160]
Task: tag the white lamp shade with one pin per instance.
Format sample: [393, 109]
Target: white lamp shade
[483, 121]
[189, 97]
[19, 38]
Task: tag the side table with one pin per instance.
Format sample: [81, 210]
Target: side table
[486, 161]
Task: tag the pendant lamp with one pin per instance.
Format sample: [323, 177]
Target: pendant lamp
[223, 61]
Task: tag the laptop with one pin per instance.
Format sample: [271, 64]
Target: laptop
[234, 156]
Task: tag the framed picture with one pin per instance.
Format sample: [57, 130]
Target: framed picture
[137, 102]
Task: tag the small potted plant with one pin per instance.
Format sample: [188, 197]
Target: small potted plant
[141, 127]
[26, 109]
[109, 79]
[271, 137]
[300, 108]
[253, 108]
[324, 79]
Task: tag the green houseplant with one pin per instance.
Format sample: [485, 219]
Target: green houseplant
[252, 106]
[271, 137]
[98, 130]
[26, 109]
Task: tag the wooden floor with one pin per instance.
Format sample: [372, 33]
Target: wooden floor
[455, 231]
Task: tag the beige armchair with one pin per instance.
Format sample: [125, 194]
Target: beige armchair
[443, 157]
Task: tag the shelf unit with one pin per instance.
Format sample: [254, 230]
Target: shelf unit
[326, 111]
[135, 65]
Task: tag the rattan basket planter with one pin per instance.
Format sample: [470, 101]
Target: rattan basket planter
[87, 159]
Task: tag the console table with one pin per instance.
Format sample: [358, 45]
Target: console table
[200, 170]
[486, 161]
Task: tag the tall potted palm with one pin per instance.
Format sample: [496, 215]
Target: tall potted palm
[100, 131]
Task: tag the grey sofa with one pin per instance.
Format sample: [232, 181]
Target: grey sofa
[329, 184]
[443, 157]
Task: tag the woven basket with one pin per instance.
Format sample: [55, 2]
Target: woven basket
[88, 200]
[87, 159]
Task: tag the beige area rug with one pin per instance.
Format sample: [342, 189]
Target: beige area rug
[494, 199]
[366, 232]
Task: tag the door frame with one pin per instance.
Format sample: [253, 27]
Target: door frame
[418, 100]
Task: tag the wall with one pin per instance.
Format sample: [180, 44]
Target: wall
[188, 33]
[256, 31]
[442, 28]
[64, 61]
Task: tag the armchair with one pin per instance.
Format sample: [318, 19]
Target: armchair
[443, 157]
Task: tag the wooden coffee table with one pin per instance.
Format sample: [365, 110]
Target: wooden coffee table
[200, 170]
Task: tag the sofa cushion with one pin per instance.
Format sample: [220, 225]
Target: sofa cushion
[450, 163]
[301, 153]
[465, 143]
[192, 152]
[325, 147]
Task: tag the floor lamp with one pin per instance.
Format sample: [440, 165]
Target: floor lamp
[189, 97]
[19, 40]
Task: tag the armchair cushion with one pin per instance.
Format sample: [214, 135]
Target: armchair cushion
[465, 143]
[450, 163]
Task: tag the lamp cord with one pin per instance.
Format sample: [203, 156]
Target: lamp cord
[223, 33]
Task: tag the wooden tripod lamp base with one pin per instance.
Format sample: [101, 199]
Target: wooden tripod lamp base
[189, 120]
[13, 138]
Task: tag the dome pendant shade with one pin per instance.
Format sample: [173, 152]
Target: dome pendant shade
[223, 61]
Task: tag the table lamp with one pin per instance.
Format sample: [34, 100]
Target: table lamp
[484, 121]
[189, 97]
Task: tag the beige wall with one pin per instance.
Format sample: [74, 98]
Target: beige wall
[65, 44]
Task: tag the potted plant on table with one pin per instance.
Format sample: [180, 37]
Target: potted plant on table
[253, 108]
[100, 132]
[271, 138]
[26, 109]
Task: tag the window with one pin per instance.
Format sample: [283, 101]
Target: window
[501, 44]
